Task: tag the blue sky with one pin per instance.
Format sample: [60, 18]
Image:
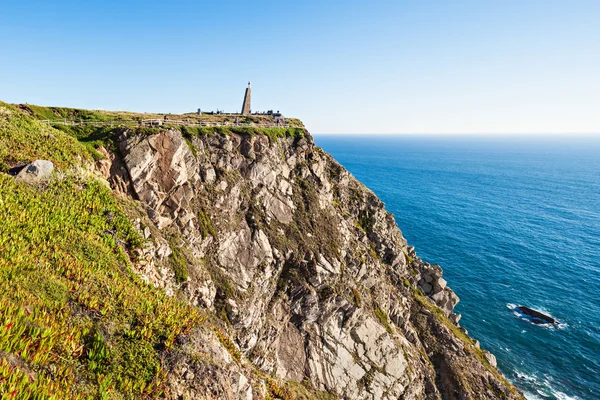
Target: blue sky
[481, 66]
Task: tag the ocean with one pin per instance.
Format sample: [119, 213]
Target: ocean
[512, 221]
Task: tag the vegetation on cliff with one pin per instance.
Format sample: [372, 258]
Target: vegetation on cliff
[224, 262]
[74, 320]
[72, 311]
[24, 139]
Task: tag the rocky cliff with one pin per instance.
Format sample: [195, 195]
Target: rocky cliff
[306, 285]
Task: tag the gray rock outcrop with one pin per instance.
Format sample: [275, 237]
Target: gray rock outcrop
[306, 271]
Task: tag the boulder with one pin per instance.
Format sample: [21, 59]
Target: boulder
[490, 358]
[455, 318]
[440, 284]
[37, 172]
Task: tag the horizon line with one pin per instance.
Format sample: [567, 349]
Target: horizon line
[457, 133]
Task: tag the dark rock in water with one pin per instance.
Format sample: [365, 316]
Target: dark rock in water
[537, 317]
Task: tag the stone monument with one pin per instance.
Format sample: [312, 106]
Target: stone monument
[246, 103]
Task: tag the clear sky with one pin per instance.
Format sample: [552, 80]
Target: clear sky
[342, 66]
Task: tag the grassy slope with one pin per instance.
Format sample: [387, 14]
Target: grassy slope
[74, 321]
[24, 139]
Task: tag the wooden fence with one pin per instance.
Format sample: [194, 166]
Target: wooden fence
[161, 122]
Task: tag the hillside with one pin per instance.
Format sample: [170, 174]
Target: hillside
[190, 261]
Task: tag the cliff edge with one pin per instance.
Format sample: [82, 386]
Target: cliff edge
[282, 275]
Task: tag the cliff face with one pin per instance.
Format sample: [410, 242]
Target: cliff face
[285, 277]
[307, 272]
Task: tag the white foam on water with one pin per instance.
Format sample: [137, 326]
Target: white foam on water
[543, 388]
[531, 396]
[563, 325]
[562, 396]
[546, 326]
[525, 377]
[554, 394]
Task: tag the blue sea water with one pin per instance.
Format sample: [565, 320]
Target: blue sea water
[512, 221]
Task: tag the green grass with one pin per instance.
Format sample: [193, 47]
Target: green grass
[205, 225]
[366, 221]
[71, 310]
[191, 146]
[273, 133]
[62, 113]
[383, 318]
[228, 344]
[24, 139]
[178, 264]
